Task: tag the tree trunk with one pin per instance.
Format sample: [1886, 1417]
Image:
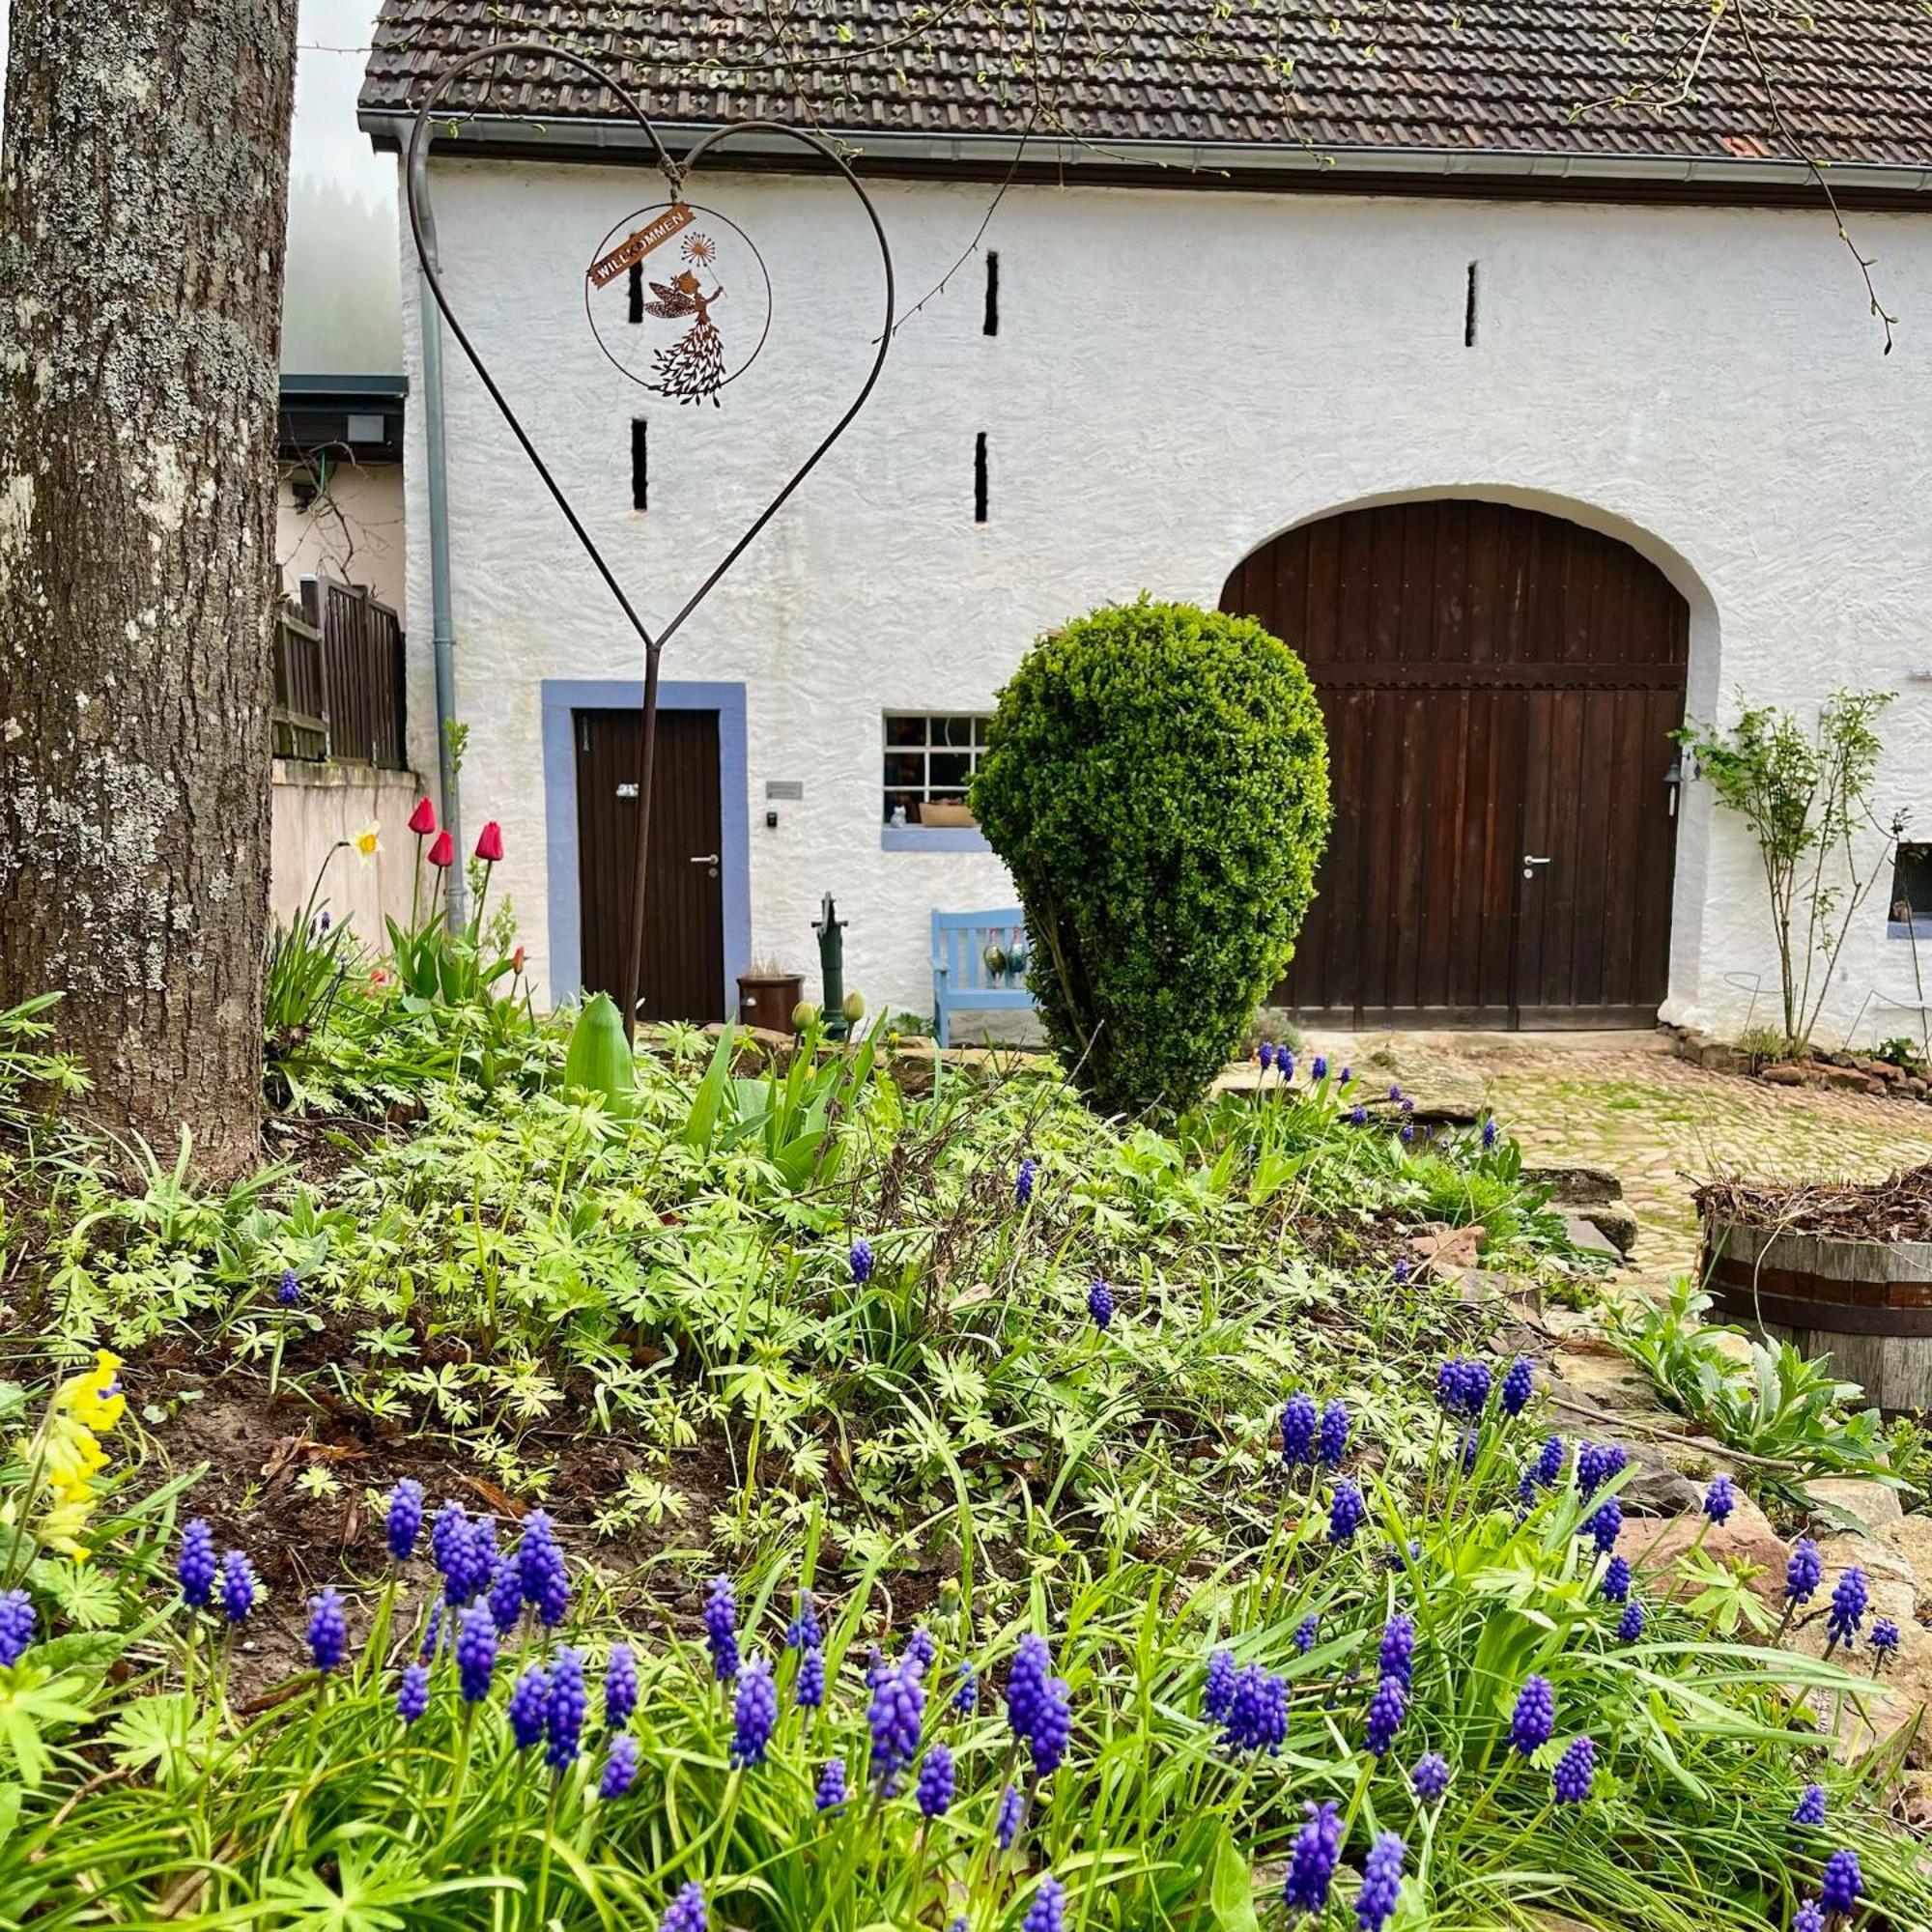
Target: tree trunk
[143, 192]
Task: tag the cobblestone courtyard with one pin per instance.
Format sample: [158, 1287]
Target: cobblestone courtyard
[1624, 1101]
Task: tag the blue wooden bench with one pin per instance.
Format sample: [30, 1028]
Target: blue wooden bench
[961, 980]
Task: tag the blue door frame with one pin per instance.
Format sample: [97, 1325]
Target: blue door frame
[561, 697]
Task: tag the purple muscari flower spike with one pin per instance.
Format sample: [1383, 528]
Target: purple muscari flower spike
[196, 1566]
[569, 1703]
[1332, 1444]
[477, 1567]
[1571, 1781]
[1883, 1642]
[1805, 1571]
[1345, 1077]
[1518, 1385]
[1810, 1806]
[921, 1647]
[1591, 1468]
[1023, 1181]
[1839, 1889]
[1006, 1822]
[755, 1712]
[449, 1540]
[861, 1261]
[328, 1631]
[1394, 1090]
[1381, 1883]
[1548, 1466]
[1720, 1500]
[237, 1586]
[1616, 1582]
[1358, 1117]
[1257, 1717]
[875, 1666]
[1048, 1911]
[966, 1698]
[1535, 1716]
[1490, 1132]
[932, 1789]
[1285, 1062]
[1306, 1633]
[1026, 1683]
[1849, 1601]
[1808, 1918]
[809, 1692]
[506, 1596]
[720, 1629]
[1397, 1654]
[475, 1652]
[1265, 1053]
[1298, 1423]
[830, 1793]
[529, 1707]
[620, 1687]
[404, 1521]
[1407, 1131]
[896, 1713]
[1318, 1068]
[1387, 1709]
[1471, 1444]
[620, 1767]
[1052, 1726]
[1402, 1269]
[1219, 1692]
[412, 1694]
[288, 1291]
[1346, 1513]
[545, 1576]
[431, 1631]
[1630, 1626]
[17, 1627]
[1101, 1305]
[1311, 1865]
[804, 1631]
[686, 1913]
[1606, 1524]
[1429, 1777]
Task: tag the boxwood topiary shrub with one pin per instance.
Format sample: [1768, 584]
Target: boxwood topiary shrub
[1156, 780]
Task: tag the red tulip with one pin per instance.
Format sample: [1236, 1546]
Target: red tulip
[444, 851]
[489, 842]
[422, 820]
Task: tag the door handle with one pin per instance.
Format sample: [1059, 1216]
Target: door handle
[704, 857]
[627, 789]
[1530, 862]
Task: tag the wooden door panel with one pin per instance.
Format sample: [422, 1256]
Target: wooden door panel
[682, 974]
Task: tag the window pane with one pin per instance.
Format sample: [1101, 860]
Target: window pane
[979, 730]
[905, 730]
[949, 769]
[907, 801]
[957, 731]
[905, 768]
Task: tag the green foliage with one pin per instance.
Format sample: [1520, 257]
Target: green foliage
[1156, 780]
[1807, 797]
[30, 1078]
[599, 1060]
[1903, 1051]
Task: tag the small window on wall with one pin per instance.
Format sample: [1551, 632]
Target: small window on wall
[930, 758]
[1912, 893]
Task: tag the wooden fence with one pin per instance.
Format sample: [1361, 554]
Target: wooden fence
[340, 678]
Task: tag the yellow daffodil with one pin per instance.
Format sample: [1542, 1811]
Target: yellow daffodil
[368, 841]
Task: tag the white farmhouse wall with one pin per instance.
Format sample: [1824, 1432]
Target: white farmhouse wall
[1178, 373]
[353, 534]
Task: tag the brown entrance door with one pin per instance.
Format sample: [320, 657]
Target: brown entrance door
[683, 966]
[1500, 686]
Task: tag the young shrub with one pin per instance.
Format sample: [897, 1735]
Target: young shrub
[1156, 780]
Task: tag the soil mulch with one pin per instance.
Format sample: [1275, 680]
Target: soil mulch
[1895, 1210]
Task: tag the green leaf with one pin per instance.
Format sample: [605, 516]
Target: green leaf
[1233, 1891]
[599, 1060]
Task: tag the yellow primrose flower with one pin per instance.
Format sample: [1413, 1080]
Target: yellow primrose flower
[96, 1400]
[368, 841]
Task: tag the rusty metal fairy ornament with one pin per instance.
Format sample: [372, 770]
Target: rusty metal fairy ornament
[692, 367]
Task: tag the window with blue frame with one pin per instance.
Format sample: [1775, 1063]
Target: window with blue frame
[1912, 893]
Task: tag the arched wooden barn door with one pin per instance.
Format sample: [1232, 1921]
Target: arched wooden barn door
[1500, 687]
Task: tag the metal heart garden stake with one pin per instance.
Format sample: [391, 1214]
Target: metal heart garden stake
[693, 369]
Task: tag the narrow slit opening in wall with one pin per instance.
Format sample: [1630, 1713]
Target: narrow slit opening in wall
[636, 292]
[980, 477]
[992, 326]
[1469, 311]
[640, 466]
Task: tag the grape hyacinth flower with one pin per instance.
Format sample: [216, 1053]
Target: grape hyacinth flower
[1257, 1718]
[1397, 1654]
[1007, 1821]
[328, 1631]
[1548, 1465]
[1345, 1078]
[1346, 1513]
[1606, 1524]
[540, 1565]
[237, 1586]
[403, 1521]
[432, 1633]
[809, 1692]
[1884, 1643]
[412, 1694]
[569, 1704]
[831, 1793]
[17, 1627]
[1318, 1068]
[1218, 1693]
[288, 1291]
[1048, 1911]
[1298, 1424]
[1332, 1443]
[1306, 1633]
[1402, 1270]
[1101, 1305]
[1616, 1580]
[1387, 1709]
[1808, 1918]
[1429, 1777]
[449, 1540]
[476, 1561]
[529, 1707]
[1630, 1626]
[506, 1596]
[1575, 1769]
[922, 1648]
[720, 1629]
[1026, 1683]
[1407, 1131]
[805, 1630]
[1023, 1181]
[861, 1261]
[1849, 1601]
[476, 1653]
[1803, 1573]
[1264, 1053]
[753, 1713]
[195, 1568]
[1839, 1889]
[896, 1713]
[1311, 1865]
[1285, 1063]
[1381, 1883]
[1394, 1090]
[1491, 1131]
[966, 1698]
[620, 1767]
[1471, 1448]
[1592, 1467]
[1518, 1385]
[686, 1913]
[1810, 1806]
[1720, 1500]
[1053, 1727]
[933, 1790]
[1358, 1117]
[1535, 1716]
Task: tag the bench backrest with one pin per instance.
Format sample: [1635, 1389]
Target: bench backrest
[960, 941]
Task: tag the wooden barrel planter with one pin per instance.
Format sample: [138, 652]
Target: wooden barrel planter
[1867, 1305]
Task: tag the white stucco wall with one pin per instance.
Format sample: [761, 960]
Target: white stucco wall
[353, 534]
[1177, 376]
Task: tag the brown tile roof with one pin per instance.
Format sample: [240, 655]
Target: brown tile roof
[1852, 79]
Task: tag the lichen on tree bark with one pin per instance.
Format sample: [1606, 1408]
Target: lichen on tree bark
[143, 191]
